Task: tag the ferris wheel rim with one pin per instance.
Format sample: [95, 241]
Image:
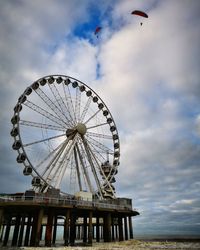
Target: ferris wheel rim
[17, 125]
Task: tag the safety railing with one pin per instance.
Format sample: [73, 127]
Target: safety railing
[62, 201]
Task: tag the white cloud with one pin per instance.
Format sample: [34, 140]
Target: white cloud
[76, 59]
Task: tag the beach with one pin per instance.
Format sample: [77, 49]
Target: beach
[124, 245]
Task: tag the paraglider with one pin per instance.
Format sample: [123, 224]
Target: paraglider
[97, 30]
[139, 13]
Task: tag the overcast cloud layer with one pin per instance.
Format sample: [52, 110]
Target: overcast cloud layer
[149, 76]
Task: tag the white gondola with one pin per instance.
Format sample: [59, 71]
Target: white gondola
[112, 180]
[18, 108]
[21, 158]
[28, 91]
[16, 145]
[22, 98]
[107, 195]
[43, 82]
[27, 170]
[36, 182]
[14, 132]
[15, 119]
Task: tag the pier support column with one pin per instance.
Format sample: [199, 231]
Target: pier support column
[130, 227]
[107, 227]
[116, 232]
[16, 230]
[90, 231]
[54, 229]
[72, 228]
[39, 227]
[66, 228]
[85, 229]
[34, 228]
[2, 232]
[101, 231]
[1, 222]
[79, 232]
[41, 231]
[125, 228]
[48, 234]
[113, 228]
[120, 225]
[21, 233]
[97, 228]
[1, 217]
[28, 228]
[8, 224]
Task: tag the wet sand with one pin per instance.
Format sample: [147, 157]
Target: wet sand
[125, 245]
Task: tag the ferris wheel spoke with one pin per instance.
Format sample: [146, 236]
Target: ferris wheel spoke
[51, 105]
[98, 152]
[85, 109]
[60, 102]
[99, 135]
[40, 125]
[99, 145]
[58, 168]
[92, 116]
[66, 158]
[43, 140]
[68, 104]
[101, 170]
[98, 125]
[87, 150]
[84, 169]
[77, 169]
[72, 182]
[45, 113]
[52, 163]
[51, 153]
[77, 104]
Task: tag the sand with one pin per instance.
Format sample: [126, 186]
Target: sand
[125, 245]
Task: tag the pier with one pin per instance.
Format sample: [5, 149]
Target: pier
[32, 218]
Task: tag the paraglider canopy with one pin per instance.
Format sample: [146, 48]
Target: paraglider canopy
[139, 13]
[97, 30]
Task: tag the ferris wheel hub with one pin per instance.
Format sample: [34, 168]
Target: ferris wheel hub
[81, 128]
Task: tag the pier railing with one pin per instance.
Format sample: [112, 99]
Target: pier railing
[63, 201]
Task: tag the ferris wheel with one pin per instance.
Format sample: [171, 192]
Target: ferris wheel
[66, 137]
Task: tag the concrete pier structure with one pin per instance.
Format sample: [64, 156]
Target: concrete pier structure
[82, 221]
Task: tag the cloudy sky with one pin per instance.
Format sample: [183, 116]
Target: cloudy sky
[148, 75]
